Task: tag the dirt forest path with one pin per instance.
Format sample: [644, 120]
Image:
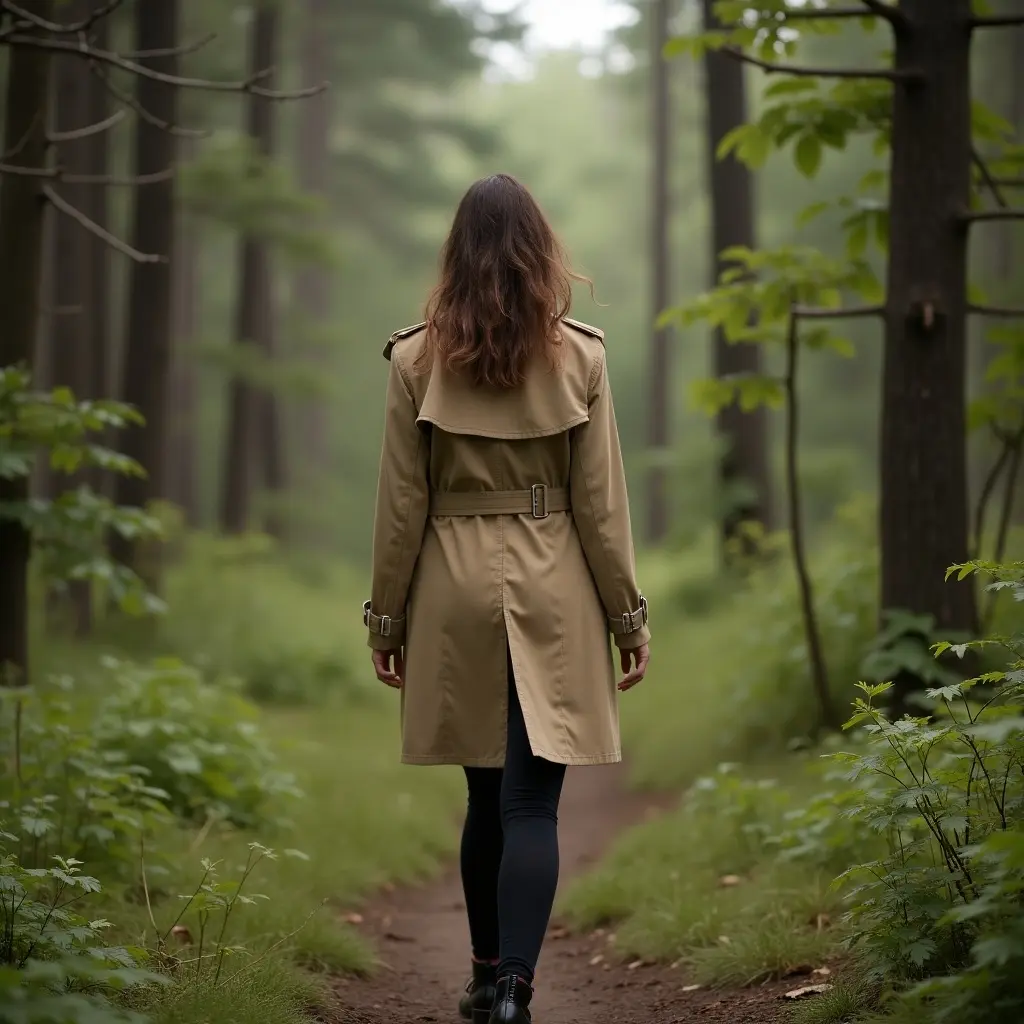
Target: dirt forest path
[422, 942]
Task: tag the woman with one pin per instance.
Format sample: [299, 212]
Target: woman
[502, 559]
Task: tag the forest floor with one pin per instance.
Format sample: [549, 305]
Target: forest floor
[421, 938]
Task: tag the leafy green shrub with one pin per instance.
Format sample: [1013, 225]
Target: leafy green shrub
[93, 776]
[939, 914]
[64, 792]
[69, 532]
[199, 744]
[54, 965]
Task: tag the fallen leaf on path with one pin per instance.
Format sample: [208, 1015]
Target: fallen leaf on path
[354, 918]
[727, 881]
[388, 887]
[690, 988]
[806, 990]
[634, 965]
[606, 967]
[395, 937]
[559, 932]
[823, 971]
[182, 934]
[595, 960]
[611, 939]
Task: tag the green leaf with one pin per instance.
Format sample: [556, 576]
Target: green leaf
[807, 154]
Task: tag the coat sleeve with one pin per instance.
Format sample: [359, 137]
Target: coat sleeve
[403, 495]
[600, 507]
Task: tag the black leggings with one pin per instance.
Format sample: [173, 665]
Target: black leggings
[509, 854]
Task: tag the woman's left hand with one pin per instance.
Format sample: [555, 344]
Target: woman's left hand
[385, 673]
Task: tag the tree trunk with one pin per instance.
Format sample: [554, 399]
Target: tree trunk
[248, 410]
[311, 297]
[70, 341]
[21, 249]
[661, 384]
[97, 207]
[744, 471]
[182, 467]
[148, 343]
[924, 520]
[1012, 45]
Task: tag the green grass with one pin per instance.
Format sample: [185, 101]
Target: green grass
[365, 820]
[697, 885]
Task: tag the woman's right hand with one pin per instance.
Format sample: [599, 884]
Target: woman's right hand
[634, 665]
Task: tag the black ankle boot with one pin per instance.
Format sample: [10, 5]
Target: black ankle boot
[511, 1001]
[476, 1004]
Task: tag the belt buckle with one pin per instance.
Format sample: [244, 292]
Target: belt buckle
[539, 501]
[385, 625]
[366, 613]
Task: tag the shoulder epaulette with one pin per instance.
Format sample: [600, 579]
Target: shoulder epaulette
[594, 332]
[399, 335]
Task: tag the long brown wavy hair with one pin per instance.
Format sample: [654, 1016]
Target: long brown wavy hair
[505, 283]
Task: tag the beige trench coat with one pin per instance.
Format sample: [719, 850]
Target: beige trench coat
[453, 590]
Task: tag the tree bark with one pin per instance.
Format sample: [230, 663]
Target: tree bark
[182, 462]
[924, 517]
[97, 207]
[148, 343]
[311, 297]
[661, 384]
[70, 335]
[21, 250]
[744, 471]
[250, 422]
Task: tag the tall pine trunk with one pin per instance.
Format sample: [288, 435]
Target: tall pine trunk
[311, 297]
[744, 469]
[924, 522]
[70, 348]
[660, 368]
[21, 249]
[147, 357]
[254, 443]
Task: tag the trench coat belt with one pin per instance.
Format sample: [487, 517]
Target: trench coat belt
[537, 501]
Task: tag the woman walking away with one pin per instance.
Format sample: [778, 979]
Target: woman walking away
[502, 560]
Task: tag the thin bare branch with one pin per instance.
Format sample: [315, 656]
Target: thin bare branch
[839, 313]
[815, 651]
[69, 29]
[986, 175]
[814, 13]
[170, 51]
[875, 9]
[1003, 311]
[976, 215]
[131, 102]
[997, 21]
[57, 174]
[23, 141]
[88, 131]
[891, 14]
[988, 489]
[892, 74]
[248, 85]
[59, 203]
[119, 181]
